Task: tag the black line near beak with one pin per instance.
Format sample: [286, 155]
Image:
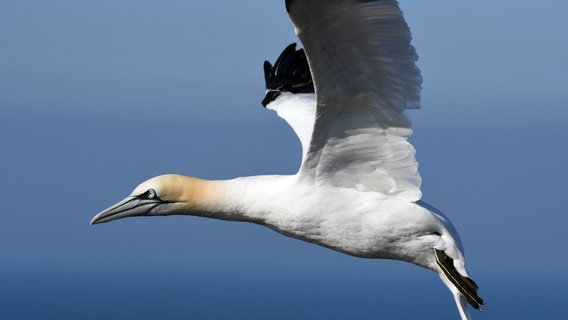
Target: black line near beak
[129, 207]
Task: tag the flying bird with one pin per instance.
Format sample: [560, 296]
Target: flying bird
[357, 191]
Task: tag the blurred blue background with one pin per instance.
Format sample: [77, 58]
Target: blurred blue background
[97, 96]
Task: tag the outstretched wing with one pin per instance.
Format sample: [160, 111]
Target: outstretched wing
[363, 68]
[290, 92]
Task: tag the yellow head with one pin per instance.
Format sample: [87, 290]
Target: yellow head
[163, 195]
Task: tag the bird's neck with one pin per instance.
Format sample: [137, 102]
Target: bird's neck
[241, 199]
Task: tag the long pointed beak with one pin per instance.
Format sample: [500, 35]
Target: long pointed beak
[129, 207]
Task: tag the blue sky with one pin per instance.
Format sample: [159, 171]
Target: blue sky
[96, 97]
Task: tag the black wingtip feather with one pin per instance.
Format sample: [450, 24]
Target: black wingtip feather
[290, 73]
[288, 4]
[267, 67]
[465, 285]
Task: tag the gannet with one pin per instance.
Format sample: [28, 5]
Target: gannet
[357, 191]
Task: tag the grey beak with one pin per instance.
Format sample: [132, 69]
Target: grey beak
[129, 207]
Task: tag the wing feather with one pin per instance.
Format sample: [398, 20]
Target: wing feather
[290, 92]
[365, 77]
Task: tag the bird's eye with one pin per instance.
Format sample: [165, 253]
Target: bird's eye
[150, 194]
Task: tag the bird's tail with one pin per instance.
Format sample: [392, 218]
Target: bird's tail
[463, 288]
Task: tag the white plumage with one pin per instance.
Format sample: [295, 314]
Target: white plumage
[358, 188]
[365, 77]
[299, 110]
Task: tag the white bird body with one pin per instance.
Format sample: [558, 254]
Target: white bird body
[358, 189]
[359, 223]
